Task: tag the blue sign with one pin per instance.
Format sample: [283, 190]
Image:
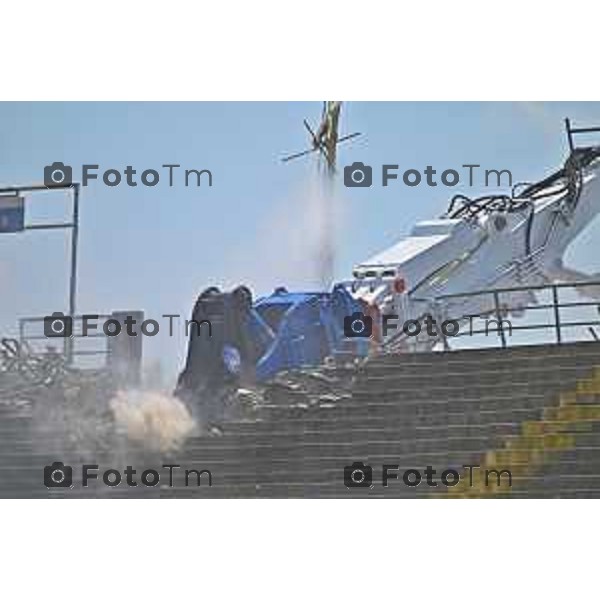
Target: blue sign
[12, 214]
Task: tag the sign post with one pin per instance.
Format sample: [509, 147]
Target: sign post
[12, 220]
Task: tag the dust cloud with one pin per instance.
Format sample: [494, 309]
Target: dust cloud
[90, 423]
[158, 421]
[296, 245]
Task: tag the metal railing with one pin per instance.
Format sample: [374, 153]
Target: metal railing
[71, 345]
[558, 323]
[90, 345]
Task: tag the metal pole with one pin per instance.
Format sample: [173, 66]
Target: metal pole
[556, 315]
[73, 276]
[500, 326]
[569, 134]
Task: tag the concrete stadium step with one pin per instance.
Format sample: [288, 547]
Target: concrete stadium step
[297, 489]
[454, 359]
[330, 424]
[555, 483]
[399, 431]
[470, 389]
[503, 360]
[405, 406]
[459, 448]
[460, 379]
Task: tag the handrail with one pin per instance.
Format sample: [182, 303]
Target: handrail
[547, 286]
[500, 310]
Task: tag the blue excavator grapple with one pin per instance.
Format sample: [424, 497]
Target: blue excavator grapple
[241, 343]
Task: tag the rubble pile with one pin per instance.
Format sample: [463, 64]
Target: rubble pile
[297, 390]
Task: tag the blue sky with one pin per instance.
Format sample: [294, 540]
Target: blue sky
[157, 248]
